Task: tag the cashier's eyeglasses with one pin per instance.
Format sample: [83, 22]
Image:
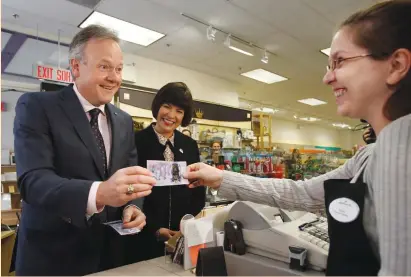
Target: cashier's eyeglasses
[336, 63]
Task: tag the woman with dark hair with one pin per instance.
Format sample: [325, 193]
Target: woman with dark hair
[367, 200]
[165, 206]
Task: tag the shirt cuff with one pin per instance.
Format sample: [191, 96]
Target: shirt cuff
[91, 203]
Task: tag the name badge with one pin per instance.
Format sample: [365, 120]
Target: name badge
[344, 210]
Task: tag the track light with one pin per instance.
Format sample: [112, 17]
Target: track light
[236, 45]
[211, 33]
[264, 59]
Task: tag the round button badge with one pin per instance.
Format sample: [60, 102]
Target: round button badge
[344, 210]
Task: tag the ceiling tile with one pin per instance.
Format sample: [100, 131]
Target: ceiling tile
[33, 22]
[291, 17]
[144, 13]
[47, 53]
[189, 42]
[59, 10]
[337, 11]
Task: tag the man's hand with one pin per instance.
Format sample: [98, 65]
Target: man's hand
[133, 218]
[165, 234]
[113, 192]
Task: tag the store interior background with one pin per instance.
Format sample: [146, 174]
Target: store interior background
[293, 32]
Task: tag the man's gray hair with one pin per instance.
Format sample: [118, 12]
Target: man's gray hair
[77, 45]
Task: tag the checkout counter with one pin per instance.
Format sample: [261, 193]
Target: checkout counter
[246, 265]
[268, 234]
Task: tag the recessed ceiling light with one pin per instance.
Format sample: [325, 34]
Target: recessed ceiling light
[125, 30]
[326, 51]
[312, 102]
[312, 119]
[264, 76]
[341, 125]
[266, 110]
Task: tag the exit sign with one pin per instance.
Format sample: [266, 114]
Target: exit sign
[52, 73]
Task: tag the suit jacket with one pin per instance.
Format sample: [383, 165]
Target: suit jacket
[57, 162]
[183, 199]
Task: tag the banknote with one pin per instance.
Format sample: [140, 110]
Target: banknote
[168, 173]
[118, 226]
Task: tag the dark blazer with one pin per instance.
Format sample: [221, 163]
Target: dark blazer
[183, 199]
[57, 162]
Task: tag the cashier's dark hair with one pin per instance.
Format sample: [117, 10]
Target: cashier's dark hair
[177, 94]
[383, 29]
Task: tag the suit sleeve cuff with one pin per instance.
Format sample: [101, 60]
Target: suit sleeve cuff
[91, 203]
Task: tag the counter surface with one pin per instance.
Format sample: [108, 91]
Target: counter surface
[160, 266]
[248, 264]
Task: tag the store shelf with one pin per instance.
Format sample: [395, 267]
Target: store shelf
[262, 130]
[9, 182]
[8, 168]
[9, 217]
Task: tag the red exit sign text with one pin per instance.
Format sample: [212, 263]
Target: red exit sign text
[52, 73]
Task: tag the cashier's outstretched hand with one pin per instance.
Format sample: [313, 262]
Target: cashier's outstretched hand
[201, 174]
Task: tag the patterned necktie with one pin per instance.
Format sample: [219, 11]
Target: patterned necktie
[168, 153]
[99, 138]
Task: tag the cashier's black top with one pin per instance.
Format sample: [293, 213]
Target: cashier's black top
[184, 200]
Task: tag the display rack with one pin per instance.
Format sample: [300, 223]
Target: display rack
[9, 216]
[262, 129]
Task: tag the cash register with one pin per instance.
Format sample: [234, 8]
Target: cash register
[271, 232]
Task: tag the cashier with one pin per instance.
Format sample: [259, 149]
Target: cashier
[367, 199]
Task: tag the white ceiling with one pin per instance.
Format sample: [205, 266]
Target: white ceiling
[294, 30]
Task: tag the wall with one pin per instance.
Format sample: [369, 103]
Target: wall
[155, 74]
[7, 118]
[291, 132]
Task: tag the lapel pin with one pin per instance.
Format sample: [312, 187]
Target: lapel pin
[181, 150]
[115, 113]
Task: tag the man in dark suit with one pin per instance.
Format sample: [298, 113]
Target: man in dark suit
[77, 165]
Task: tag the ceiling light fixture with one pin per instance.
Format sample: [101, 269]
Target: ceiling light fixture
[326, 51]
[341, 125]
[264, 59]
[312, 102]
[244, 42]
[238, 46]
[266, 110]
[264, 76]
[311, 119]
[211, 32]
[125, 30]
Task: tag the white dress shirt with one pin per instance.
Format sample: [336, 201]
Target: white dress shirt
[105, 131]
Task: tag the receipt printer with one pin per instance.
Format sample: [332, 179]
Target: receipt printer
[233, 239]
